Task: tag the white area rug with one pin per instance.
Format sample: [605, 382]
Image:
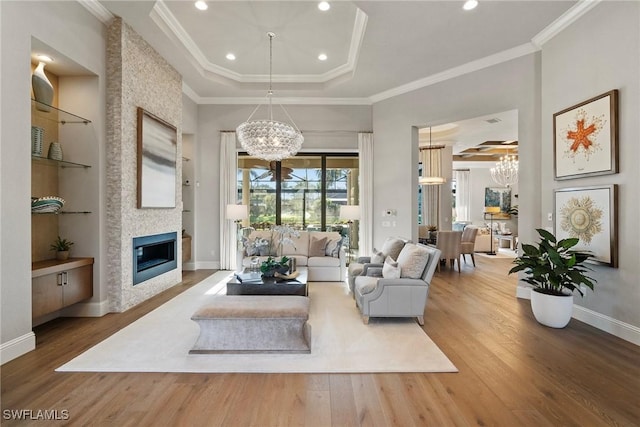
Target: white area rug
[341, 343]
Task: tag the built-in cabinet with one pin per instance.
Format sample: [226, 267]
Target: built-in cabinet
[59, 284]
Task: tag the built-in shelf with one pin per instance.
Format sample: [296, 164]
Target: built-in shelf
[61, 213]
[57, 115]
[60, 163]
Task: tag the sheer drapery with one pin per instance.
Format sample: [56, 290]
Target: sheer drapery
[463, 195]
[365, 148]
[228, 196]
[430, 159]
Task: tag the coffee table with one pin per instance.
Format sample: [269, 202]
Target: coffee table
[254, 284]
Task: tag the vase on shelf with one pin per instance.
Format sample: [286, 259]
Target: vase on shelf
[42, 88]
[37, 135]
[55, 151]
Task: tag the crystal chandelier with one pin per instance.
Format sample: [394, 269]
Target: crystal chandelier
[431, 165]
[505, 172]
[269, 139]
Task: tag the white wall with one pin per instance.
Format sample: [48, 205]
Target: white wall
[79, 36]
[326, 128]
[596, 54]
[511, 85]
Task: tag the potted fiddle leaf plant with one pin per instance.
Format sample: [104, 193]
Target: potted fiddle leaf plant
[555, 271]
[62, 248]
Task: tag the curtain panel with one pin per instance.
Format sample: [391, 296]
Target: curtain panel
[228, 196]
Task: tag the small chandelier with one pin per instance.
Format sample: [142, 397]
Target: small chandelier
[431, 168]
[505, 172]
[269, 139]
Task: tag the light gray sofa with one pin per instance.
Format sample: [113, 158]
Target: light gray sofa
[330, 267]
[377, 296]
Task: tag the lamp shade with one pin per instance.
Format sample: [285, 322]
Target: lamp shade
[236, 212]
[350, 212]
[492, 209]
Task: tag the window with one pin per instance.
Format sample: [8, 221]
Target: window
[305, 191]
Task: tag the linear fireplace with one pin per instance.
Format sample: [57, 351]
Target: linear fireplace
[154, 255]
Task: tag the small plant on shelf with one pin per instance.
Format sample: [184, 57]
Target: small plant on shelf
[62, 248]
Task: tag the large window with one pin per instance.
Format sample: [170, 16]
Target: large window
[305, 191]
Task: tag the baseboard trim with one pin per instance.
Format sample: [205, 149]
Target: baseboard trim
[17, 347]
[189, 266]
[207, 265]
[87, 309]
[600, 321]
[608, 324]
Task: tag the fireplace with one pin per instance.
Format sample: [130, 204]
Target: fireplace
[154, 255]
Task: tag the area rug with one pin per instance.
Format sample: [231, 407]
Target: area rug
[341, 343]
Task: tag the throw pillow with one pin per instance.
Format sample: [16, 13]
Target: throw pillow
[412, 261]
[392, 247]
[377, 257]
[390, 269]
[317, 247]
[333, 248]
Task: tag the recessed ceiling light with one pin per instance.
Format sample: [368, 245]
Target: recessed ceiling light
[44, 58]
[324, 6]
[202, 5]
[231, 57]
[470, 4]
[322, 57]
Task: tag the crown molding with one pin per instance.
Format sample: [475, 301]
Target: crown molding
[97, 10]
[469, 67]
[281, 101]
[169, 24]
[566, 19]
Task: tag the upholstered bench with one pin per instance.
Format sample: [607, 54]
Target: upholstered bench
[253, 324]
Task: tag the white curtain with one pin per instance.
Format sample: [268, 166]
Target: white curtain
[228, 195]
[365, 148]
[463, 195]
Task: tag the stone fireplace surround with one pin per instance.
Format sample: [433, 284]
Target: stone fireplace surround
[137, 76]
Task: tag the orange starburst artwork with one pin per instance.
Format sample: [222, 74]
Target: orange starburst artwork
[581, 136]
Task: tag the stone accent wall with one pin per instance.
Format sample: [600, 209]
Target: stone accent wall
[137, 76]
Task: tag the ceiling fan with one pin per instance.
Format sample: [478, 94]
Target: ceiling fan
[285, 172]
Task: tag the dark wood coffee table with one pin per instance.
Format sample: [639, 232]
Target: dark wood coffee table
[256, 285]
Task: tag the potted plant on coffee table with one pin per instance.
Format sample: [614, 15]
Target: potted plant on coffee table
[555, 271]
[62, 247]
[269, 267]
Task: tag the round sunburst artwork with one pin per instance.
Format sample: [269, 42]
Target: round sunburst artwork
[581, 218]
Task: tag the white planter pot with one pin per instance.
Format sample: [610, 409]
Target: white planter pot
[551, 310]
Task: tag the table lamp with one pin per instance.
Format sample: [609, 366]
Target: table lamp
[350, 213]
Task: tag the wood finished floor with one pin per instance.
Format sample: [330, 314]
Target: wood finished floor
[513, 372]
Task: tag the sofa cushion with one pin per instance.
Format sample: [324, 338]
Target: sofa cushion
[333, 247]
[390, 269]
[366, 284]
[298, 245]
[323, 261]
[317, 246]
[412, 261]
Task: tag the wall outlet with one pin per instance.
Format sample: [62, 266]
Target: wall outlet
[386, 223]
[549, 216]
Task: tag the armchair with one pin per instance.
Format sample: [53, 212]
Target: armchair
[391, 247]
[406, 296]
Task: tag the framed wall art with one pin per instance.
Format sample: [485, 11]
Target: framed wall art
[585, 138]
[157, 152]
[498, 197]
[589, 213]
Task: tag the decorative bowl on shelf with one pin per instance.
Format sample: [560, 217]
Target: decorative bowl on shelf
[47, 204]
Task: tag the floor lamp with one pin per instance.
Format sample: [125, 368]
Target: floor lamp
[237, 213]
[491, 210]
[350, 213]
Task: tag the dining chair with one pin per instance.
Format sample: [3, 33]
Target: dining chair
[449, 244]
